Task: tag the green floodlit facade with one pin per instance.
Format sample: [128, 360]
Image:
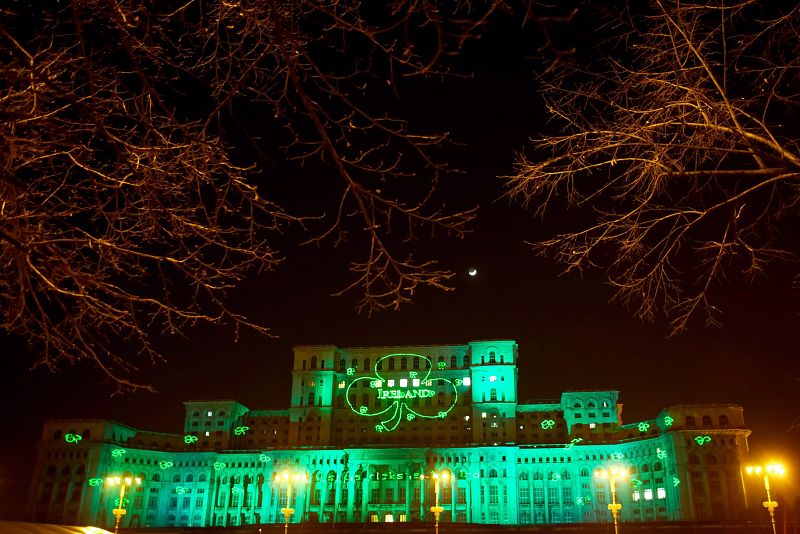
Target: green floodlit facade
[366, 430]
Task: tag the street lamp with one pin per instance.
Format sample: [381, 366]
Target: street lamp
[287, 511]
[612, 474]
[122, 482]
[767, 470]
[436, 509]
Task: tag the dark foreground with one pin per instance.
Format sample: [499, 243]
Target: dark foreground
[449, 528]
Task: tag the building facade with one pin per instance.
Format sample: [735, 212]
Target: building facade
[370, 435]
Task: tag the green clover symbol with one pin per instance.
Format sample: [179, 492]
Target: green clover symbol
[219, 465]
[237, 490]
[616, 456]
[579, 501]
[440, 365]
[675, 481]
[180, 490]
[165, 464]
[394, 401]
[547, 424]
[668, 420]
[379, 428]
[572, 443]
[661, 454]
[264, 458]
[125, 502]
[189, 439]
[351, 371]
[643, 427]
[458, 381]
[556, 476]
[635, 482]
[72, 438]
[96, 481]
[117, 453]
[241, 430]
[702, 440]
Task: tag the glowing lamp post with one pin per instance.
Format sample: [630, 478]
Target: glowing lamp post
[122, 482]
[767, 470]
[287, 511]
[436, 509]
[612, 474]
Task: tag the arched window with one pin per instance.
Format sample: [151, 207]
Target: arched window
[311, 398]
[367, 364]
[493, 394]
[427, 364]
[176, 478]
[694, 459]
[645, 468]
[304, 365]
[711, 459]
[465, 361]
[591, 404]
[492, 473]
[584, 472]
[354, 364]
[201, 478]
[342, 365]
[156, 477]
[723, 420]
[440, 360]
[565, 475]
[492, 357]
[707, 421]
[501, 359]
[415, 362]
[538, 475]
[657, 466]
[189, 478]
[453, 361]
[391, 364]
[313, 362]
[523, 475]
[577, 404]
[403, 363]
[690, 421]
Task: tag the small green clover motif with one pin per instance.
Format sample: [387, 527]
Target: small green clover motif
[237, 490]
[165, 464]
[398, 398]
[556, 476]
[264, 458]
[579, 501]
[548, 424]
[573, 442]
[117, 453]
[220, 465]
[702, 440]
[189, 439]
[72, 438]
[661, 454]
[636, 482]
[440, 365]
[379, 428]
[458, 381]
[616, 456]
[96, 481]
[180, 490]
[125, 502]
[675, 481]
[643, 427]
[241, 430]
[351, 371]
[668, 420]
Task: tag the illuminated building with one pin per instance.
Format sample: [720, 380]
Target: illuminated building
[366, 429]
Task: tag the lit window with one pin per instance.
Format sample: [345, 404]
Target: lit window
[662, 493]
[466, 418]
[210, 413]
[492, 378]
[208, 433]
[592, 425]
[341, 384]
[415, 382]
[483, 415]
[636, 495]
[403, 383]
[467, 381]
[648, 495]
[390, 383]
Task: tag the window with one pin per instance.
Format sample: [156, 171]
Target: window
[723, 420]
[492, 358]
[367, 364]
[493, 494]
[391, 364]
[661, 493]
[690, 421]
[465, 361]
[707, 421]
[342, 365]
[404, 363]
[648, 494]
[493, 394]
[636, 495]
[453, 361]
[538, 496]
[313, 362]
[415, 362]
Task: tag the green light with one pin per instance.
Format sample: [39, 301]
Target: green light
[400, 397]
[555, 476]
[643, 427]
[117, 453]
[547, 424]
[264, 458]
[675, 481]
[125, 502]
[668, 421]
[572, 443]
[616, 456]
[241, 430]
[180, 490]
[237, 490]
[703, 440]
[661, 454]
[165, 464]
[72, 438]
[220, 465]
[635, 482]
[96, 481]
[440, 365]
[350, 371]
[189, 439]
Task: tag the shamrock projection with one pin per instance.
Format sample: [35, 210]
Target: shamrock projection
[395, 394]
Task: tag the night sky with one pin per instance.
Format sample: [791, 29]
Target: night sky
[570, 334]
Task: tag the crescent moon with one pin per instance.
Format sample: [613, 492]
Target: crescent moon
[472, 271]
